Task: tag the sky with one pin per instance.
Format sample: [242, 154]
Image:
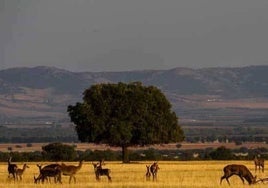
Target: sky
[126, 35]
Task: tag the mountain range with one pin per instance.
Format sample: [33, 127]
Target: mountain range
[220, 94]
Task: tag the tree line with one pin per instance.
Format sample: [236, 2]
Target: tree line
[63, 152]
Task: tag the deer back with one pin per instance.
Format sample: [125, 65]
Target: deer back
[50, 172]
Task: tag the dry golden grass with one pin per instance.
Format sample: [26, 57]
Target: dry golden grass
[184, 174]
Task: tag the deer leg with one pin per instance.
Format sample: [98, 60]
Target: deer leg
[109, 178]
[147, 176]
[154, 177]
[72, 177]
[223, 177]
[97, 177]
[14, 177]
[43, 178]
[227, 179]
[58, 179]
[241, 177]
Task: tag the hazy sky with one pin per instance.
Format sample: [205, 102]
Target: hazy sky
[119, 35]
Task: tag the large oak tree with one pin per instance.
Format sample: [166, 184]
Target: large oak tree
[125, 115]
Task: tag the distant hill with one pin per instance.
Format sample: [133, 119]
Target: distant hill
[42, 94]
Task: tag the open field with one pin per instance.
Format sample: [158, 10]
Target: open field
[184, 174]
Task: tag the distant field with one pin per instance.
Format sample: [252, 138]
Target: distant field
[22, 147]
[187, 174]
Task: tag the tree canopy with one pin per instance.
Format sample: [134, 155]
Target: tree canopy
[125, 115]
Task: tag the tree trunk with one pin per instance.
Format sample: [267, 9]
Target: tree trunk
[125, 157]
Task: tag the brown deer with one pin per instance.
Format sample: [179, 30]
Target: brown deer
[55, 166]
[70, 170]
[154, 169]
[239, 170]
[259, 162]
[99, 171]
[19, 171]
[12, 168]
[148, 174]
[47, 172]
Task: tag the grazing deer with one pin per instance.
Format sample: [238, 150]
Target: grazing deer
[19, 172]
[47, 172]
[12, 168]
[70, 170]
[154, 168]
[55, 166]
[239, 170]
[148, 174]
[259, 162]
[99, 171]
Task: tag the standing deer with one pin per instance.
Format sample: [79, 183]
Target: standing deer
[12, 168]
[99, 171]
[148, 174]
[154, 169]
[70, 170]
[19, 171]
[259, 162]
[239, 170]
[47, 172]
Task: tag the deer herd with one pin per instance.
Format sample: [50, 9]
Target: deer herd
[55, 171]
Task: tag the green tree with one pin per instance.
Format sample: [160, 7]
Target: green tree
[125, 115]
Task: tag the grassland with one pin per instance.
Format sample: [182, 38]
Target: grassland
[184, 174]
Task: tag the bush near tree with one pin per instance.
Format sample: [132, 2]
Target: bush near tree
[222, 153]
[59, 152]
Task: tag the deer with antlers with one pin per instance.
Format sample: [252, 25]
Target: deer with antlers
[154, 169]
[12, 168]
[48, 171]
[239, 170]
[71, 170]
[19, 171]
[99, 171]
[259, 162]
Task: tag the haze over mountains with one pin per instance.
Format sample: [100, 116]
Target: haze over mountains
[42, 94]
